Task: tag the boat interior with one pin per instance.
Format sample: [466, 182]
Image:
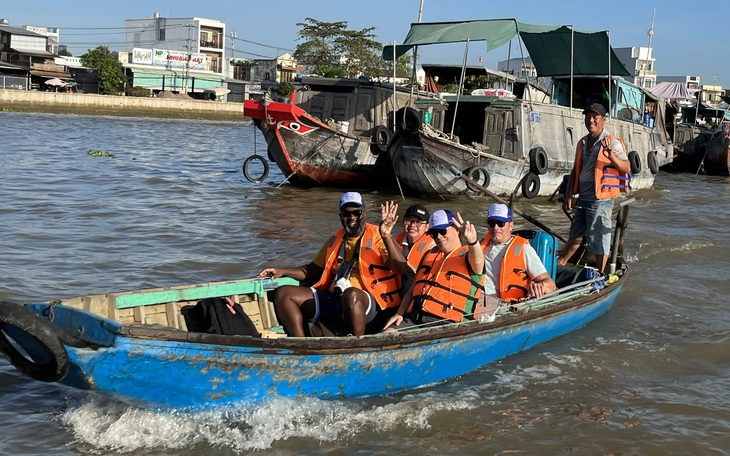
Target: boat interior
[172, 308]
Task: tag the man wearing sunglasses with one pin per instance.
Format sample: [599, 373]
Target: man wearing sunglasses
[449, 280]
[513, 268]
[352, 274]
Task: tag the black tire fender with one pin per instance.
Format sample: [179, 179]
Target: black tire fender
[381, 139]
[44, 358]
[408, 120]
[635, 162]
[478, 174]
[530, 185]
[247, 172]
[538, 160]
[652, 162]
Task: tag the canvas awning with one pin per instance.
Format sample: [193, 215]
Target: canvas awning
[549, 46]
[34, 52]
[551, 52]
[50, 74]
[671, 90]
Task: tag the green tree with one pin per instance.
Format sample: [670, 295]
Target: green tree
[333, 50]
[65, 53]
[111, 78]
[318, 48]
[479, 82]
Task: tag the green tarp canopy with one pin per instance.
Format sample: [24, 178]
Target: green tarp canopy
[549, 46]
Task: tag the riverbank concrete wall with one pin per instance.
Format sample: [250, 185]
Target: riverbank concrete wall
[92, 104]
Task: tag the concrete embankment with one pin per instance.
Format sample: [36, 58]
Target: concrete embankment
[109, 105]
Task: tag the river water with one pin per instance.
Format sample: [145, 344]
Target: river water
[171, 207]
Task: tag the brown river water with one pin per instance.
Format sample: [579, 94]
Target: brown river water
[171, 207]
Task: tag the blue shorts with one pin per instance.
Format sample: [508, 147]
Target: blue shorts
[329, 306]
[592, 220]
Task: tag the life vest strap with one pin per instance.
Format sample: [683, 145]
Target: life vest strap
[445, 305]
[384, 279]
[388, 296]
[435, 284]
[463, 276]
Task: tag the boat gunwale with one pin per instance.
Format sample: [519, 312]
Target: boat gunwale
[343, 345]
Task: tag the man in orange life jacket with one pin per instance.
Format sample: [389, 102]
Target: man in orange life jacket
[513, 269]
[413, 241]
[352, 271]
[450, 276]
[599, 174]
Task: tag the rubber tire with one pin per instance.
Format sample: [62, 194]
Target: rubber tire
[478, 174]
[530, 185]
[246, 172]
[51, 363]
[538, 161]
[381, 139]
[412, 120]
[635, 161]
[652, 162]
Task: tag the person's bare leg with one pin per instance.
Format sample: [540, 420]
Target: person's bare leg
[354, 310]
[293, 304]
[601, 263]
[569, 250]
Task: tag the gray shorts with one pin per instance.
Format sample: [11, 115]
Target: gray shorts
[592, 220]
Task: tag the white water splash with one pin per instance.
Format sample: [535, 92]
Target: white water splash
[111, 426]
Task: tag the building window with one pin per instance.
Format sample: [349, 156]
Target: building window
[215, 65]
[161, 35]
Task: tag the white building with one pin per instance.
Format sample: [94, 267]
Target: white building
[53, 34]
[640, 63]
[180, 54]
[691, 82]
[520, 68]
[192, 35]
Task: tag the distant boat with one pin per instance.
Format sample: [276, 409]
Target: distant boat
[525, 143]
[717, 158]
[333, 132]
[700, 147]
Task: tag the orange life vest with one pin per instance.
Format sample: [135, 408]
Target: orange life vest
[608, 180]
[375, 276]
[418, 250]
[444, 284]
[513, 282]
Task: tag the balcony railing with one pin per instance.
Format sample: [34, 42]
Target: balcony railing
[215, 44]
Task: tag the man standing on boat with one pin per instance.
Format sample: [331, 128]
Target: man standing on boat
[513, 268]
[353, 273]
[600, 173]
[450, 276]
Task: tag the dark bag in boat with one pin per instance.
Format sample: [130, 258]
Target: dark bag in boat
[222, 316]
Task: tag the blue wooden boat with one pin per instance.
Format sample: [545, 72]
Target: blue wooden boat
[136, 346]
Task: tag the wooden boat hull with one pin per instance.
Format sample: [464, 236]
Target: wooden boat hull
[717, 158]
[312, 153]
[431, 163]
[690, 145]
[163, 367]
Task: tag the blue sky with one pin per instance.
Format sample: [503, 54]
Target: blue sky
[687, 40]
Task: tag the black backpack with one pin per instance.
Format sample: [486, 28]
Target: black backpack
[220, 316]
